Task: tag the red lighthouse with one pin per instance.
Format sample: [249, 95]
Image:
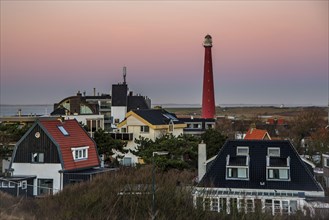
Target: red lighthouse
[208, 96]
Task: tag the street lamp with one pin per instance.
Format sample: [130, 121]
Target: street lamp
[160, 153]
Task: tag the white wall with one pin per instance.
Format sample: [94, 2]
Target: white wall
[42, 171]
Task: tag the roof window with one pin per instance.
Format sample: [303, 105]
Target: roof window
[62, 129]
[273, 151]
[242, 151]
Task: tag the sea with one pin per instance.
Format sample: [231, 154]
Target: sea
[46, 109]
[12, 110]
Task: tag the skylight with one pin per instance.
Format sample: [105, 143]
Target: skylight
[62, 129]
[169, 116]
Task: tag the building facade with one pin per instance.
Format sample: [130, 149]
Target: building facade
[250, 174]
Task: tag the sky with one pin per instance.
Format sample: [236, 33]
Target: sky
[264, 52]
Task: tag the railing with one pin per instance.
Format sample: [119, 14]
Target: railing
[122, 136]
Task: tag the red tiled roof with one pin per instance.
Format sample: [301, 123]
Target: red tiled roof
[256, 134]
[77, 138]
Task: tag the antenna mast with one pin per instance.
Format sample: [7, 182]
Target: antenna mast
[124, 75]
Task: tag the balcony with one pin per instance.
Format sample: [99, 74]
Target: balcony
[122, 136]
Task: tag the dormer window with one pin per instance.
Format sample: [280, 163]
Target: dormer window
[242, 151]
[80, 153]
[273, 152]
[278, 168]
[237, 168]
[62, 129]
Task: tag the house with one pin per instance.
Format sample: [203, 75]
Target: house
[197, 126]
[147, 123]
[52, 154]
[257, 173]
[257, 134]
[113, 107]
[325, 161]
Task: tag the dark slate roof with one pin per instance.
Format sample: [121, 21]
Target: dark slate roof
[301, 177]
[136, 102]
[157, 116]
[238, 161]
[59, 111]
[278, 162]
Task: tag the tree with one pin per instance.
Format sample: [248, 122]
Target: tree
[304, 124]
[214, 140]
[183, 150]
[10, 133]
[105, 143]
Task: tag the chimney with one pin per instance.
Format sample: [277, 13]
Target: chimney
[202, 157]
[102, 160]
[94, 91]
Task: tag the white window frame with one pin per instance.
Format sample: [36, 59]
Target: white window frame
[268, 173]
[242, 153]
[24, 184]
[38, 158]
[229, 173]
[271, 154]
[11, 184]
[80, 153]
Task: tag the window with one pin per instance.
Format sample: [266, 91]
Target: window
[273, 152]
[196, 126]
[233, 205]
[250, 205]
[171, 126]
[237, 168]
[223, 205]
[4, 184]
[127, 161]
[278, 174]
[209, 126]
[242, 151]
[268, 206]
[145, 129]
[242, 205]
[62, 129]
[80, 153]
[206, 203]
[239, 173]
[123, 130]
[214, 204]
[24, 184]
[285, 207]
[277, 207]
[38, 157]
[11, 184]
[45, 186]
[326, 162]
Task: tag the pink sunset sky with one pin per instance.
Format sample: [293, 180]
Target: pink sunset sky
[271, 52]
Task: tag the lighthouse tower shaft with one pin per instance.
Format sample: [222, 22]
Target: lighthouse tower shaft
[208, 96]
